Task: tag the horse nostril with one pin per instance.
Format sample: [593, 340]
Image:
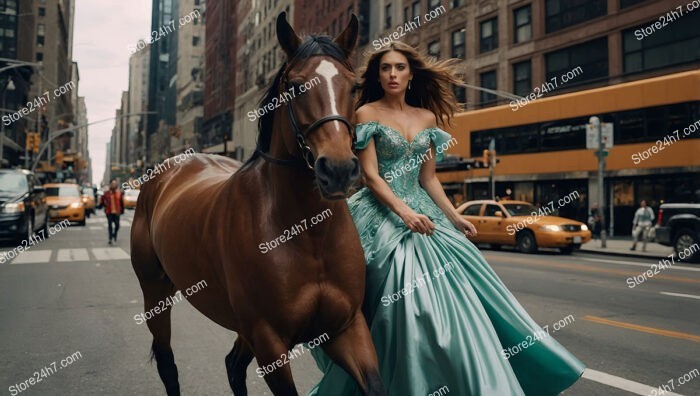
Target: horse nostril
[355, 172]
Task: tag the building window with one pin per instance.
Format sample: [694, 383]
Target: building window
[489, 35]
[40, 41]
[42, 11]
[416, 8]
[460, 93]
[406, 14]
[560, 14]
[387, 16]
[434, 49]
[195, 41]
[629, 3]
[522, 24]
[488, 80]
[591, 57]
[522, 78]
[433, 4]
[41, 29]
[456, 3]
[458, 45]
[664, 47]
[39, 56]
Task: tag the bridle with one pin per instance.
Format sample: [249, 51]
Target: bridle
[307, 158]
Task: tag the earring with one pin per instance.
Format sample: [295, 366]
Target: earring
[409, 84]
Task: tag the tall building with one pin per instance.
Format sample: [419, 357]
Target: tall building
[138, 103]
[162, 93]
[84, 164]
[190, 76]
[220, 74]
[258, 58]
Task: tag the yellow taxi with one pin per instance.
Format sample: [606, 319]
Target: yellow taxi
[88, 198]
[523, 225]
[130, 198]
[65, 202]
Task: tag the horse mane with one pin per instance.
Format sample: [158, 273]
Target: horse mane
[311, 46]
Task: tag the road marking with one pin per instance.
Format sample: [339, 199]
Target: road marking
[110, 254]
[96, 228]
[643, 329]
[621, 383]
[33, 256]
[72, 255]
[681, 295]
[638, 264]
[584, 268]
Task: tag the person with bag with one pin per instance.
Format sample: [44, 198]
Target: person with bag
[641, 224]
[113, 203]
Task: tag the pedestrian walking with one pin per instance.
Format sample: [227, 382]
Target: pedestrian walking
[641, 224]
[594, 222]
[410, 227]
[113, 203]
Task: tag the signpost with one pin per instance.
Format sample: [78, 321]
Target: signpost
[600, 136]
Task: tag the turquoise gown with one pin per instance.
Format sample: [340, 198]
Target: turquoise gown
[439, 316]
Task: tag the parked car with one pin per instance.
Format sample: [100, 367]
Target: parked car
[65, 202]
[130, 198]
[523, 225]
[23, 208]
[89, 200]
[678, 225]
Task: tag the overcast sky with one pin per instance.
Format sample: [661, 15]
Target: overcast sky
[103, 31]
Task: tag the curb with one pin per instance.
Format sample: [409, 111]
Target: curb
[612, 253]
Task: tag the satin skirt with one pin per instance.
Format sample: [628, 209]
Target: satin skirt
[441, 319]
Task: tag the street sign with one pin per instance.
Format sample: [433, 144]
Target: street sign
[592, 135]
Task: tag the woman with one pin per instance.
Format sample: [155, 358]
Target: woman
[440, 318]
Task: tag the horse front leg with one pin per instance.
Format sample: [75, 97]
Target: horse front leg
[354, 351]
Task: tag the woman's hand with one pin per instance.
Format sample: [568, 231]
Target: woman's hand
[418, 222]
[465, 226]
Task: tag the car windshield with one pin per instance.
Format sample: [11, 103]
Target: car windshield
[132, 193]
[520, 209]
[13, 183]
[89, 192]
[63, 191]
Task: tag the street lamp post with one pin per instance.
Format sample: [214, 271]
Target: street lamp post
[595, 121]
[9, 87]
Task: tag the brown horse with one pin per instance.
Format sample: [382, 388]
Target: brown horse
[206, 219]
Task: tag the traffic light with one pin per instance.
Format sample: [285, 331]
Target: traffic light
[37, 143]
[29, 142]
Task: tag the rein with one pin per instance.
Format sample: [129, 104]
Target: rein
[307, 158]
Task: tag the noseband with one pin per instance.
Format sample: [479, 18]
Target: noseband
[300, 135]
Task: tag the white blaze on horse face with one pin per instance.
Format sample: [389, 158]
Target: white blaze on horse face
[327, 70]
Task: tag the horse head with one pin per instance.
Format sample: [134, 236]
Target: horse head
[316, 87]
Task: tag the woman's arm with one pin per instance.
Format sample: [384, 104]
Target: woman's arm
[414, 221]
[431, 184]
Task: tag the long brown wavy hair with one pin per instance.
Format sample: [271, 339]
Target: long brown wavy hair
[431, 87]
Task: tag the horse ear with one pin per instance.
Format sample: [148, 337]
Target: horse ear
[288, 39]
[348, 38]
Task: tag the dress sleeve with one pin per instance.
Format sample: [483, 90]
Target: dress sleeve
[365, 131]
[442, 141]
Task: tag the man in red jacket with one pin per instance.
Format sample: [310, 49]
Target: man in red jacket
[113, 202]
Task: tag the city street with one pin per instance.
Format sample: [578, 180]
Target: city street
[74, 292]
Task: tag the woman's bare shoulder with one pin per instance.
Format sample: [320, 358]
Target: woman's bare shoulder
[426, 117]
[366, 113]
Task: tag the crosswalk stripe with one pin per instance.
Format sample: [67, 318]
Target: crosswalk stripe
[72, 255]
[96, 228]
[33, 256]
[621, 383]
[110, 254]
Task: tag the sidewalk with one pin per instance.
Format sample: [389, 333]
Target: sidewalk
[620, 246]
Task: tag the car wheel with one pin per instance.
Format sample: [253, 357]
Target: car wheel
[82, 222]
[567, 249]
[496, 246]
[685, 239]
[30, 229]
[526, 242]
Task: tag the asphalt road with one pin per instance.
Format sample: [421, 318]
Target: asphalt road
[74, 293]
